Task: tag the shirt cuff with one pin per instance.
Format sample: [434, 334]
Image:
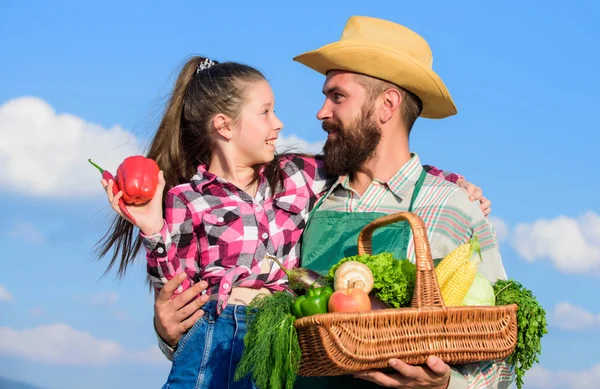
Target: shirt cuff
[167, 350]
[155, 243]
[457, 380]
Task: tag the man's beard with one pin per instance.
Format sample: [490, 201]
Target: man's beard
[352, 146]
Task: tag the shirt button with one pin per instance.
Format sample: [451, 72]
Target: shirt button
[225, 286]
[220, 220]
[258, 208]
[265, 235]
[160, 250]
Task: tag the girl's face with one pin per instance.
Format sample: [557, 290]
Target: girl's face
[255, 135]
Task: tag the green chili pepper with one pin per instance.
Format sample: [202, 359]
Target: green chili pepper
[315, 301]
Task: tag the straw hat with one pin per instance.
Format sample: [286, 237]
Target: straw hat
[388, 51]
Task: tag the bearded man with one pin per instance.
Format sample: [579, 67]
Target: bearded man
[379, 80]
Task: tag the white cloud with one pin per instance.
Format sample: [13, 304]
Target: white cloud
[573, 318]
[541, 378]
[572, 244]
[60, 344]
[293, 143]
[4, 295]
[27, 232]
[45, 153]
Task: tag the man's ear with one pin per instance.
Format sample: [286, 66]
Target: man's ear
[391, 100]
[220, 124]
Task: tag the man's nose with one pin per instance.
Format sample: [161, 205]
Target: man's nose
[325, 111]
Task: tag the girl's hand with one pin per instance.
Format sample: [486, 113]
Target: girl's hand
[148, 216]
[475, 193]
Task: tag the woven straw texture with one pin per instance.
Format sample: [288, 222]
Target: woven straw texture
[345, 343]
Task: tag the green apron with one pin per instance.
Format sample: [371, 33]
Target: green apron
[330, 236]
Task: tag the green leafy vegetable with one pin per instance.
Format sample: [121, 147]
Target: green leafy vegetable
[531, 322]
[271, 350]
[394, 279]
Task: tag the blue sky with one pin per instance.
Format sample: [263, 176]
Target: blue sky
[88, 80]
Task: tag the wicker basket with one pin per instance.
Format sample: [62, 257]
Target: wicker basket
[345, 343]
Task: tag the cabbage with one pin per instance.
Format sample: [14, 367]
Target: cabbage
[481, 292]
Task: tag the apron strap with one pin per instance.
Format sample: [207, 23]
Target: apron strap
[318, 204]
[418, 186]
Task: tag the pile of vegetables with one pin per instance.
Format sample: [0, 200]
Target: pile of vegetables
[394, 280]
[272, 354]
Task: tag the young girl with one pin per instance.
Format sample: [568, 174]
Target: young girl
[229, 204]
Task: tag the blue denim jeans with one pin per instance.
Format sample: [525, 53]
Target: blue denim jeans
[208, 354]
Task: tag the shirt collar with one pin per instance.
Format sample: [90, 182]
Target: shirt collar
[293, 201]
[343, 181]
[204, 178]
[401, 183]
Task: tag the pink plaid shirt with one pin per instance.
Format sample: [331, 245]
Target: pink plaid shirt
[214, 231]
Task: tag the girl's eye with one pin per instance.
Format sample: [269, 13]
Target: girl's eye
[266, 112]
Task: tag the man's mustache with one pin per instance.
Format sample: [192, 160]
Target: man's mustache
[331, 126]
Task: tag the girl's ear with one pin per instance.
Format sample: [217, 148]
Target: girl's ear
[220, 124]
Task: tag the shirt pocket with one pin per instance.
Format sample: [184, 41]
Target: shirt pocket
[223, 225]
[225, 242]
[290, 212]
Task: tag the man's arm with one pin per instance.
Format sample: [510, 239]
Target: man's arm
[497, 374]
[174, 317]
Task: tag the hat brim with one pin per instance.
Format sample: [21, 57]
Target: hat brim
[386, 63]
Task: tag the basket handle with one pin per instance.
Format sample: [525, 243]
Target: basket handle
[427, 291]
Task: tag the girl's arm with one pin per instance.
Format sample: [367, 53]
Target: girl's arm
[174, 248]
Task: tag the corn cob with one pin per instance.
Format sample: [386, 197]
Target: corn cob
[453, 261]
[455, 290]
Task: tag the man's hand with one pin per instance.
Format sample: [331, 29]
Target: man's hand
[173, 318]
[435, 375]
[475, 193]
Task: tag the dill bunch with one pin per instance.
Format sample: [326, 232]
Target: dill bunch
[271, 351]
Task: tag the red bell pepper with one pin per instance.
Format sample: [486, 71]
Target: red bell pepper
[108, 176]
[138, 178]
